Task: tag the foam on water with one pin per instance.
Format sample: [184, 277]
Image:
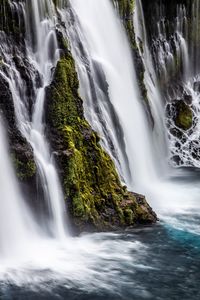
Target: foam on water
[90, 262]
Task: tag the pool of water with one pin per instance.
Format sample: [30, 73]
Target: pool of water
[158, 262]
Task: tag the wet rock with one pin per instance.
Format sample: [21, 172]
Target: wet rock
[183, 117]
[188, 99]
[196, 86]
[194, 148]
[176, 160]
[176, 132]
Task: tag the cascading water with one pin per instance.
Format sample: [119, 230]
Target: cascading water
[174, 51]
[152, 86]
[13, 213]
[120, 76]
[98, 108]
[43, 54]
[174, 192]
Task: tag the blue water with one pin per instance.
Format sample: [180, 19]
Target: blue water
[162, 262]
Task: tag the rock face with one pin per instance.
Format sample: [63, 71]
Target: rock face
[95, 198]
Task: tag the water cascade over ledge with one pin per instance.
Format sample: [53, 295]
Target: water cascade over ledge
[14, 214]
[130, 114]
[43, 53]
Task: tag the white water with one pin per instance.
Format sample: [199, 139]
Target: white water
[15, 227]
[98, 108]
[174, 194]
[107, 44]
[153, 91]
[40, 264]
[44, 57]
[175, 54]
[43, 54]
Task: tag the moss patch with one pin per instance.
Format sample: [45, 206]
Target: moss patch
[184, 116]
[24, 169]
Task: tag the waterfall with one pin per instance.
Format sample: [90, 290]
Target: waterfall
[98, 108]
[15, 224]
[42, 52]
[169, 47]
[153, 90]
[174, 48]
[107, 44]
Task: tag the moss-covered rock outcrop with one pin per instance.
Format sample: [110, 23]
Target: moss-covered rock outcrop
[183, 115]
[93, 192]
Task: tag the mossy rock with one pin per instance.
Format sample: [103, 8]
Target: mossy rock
[25, 167]
[183, 115]
[93, 193]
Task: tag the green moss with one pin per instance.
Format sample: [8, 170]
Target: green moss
[126, 11]
[184, 115]
[24, 169]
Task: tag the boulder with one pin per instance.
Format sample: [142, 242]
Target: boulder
[183, 115]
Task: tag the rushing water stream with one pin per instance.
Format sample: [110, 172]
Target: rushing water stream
[160, 262]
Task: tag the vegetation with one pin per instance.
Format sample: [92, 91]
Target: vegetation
[183, 115]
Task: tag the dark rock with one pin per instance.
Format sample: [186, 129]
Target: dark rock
[196, 86]
[176, 132]
[177, 160]
[188, 99]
